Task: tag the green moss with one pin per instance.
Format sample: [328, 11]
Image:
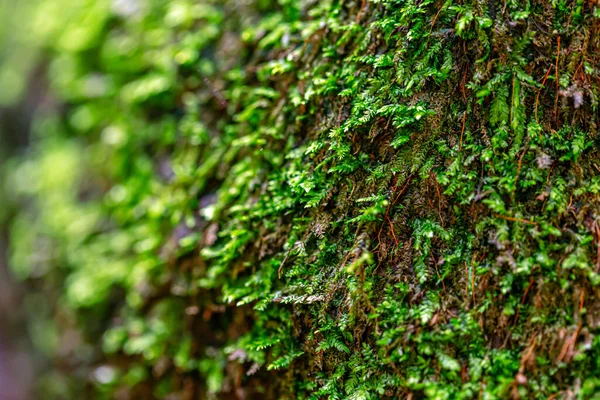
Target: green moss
[337, 200]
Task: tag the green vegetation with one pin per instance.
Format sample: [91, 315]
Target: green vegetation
[336, 199]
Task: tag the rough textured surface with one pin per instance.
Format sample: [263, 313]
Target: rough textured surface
[340, 199]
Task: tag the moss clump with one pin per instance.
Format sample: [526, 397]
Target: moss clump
[377, 199]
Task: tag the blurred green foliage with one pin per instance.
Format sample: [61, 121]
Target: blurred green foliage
[358, 200]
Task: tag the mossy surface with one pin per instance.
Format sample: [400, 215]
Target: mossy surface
[337, 199]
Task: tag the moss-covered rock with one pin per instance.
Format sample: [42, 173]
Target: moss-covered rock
[337, 199]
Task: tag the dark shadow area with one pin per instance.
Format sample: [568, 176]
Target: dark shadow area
[18, 358]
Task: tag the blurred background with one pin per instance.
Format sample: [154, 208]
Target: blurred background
[22, 91]
[91, 93]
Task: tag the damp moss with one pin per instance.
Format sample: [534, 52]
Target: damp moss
[342, 199]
